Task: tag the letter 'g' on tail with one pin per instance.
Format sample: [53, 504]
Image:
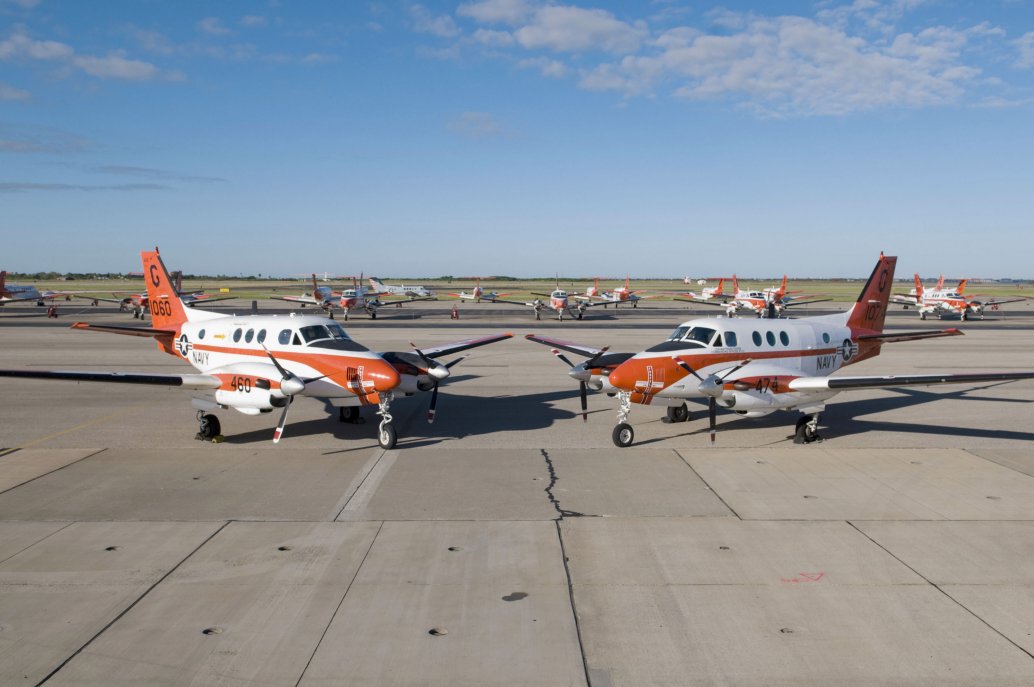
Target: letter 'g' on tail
[870, 309]
[167, 310]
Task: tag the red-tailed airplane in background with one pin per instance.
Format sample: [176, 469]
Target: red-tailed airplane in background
[347, 300]
[559, 301]
[943, 302]
[621, 294]
[256, 363]
[755, 367]
[14, 293]
[137, 303]
[708, 293]
[770, 302]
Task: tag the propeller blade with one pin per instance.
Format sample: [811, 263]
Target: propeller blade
[561, 357]
[280, 368]
[593, 359]
[283, 421]
[584, 394]
[685, 366]
[453, 362]
[733, 370]
[434, 402]
[712, 415]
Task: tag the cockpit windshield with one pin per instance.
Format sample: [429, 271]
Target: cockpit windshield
[330, 335]
[686, 336]
[559, 294]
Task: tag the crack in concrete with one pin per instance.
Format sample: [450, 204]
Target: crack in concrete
[549, 490]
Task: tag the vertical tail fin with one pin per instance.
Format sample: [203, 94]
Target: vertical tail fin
[167, 310]
[782, 288]
[919, 288]
[3, 279]
[940, 283]
[961, 287]
[870, 309]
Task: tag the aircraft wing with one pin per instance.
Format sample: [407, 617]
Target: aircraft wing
[185, 381]
[894, 337]
[128, 331]
[20, 299]
[305, 300]
[1007, 300]
[465, 344]
[528, 304]
[717, 304]
[99, 298]
[204, 298]
[903, 299]
[891, 381]
[804, 300]
[570, 347]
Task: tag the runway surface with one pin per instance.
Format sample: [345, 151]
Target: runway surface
[509, 542]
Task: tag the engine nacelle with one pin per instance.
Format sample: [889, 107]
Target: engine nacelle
[257, 400]
[751, 403]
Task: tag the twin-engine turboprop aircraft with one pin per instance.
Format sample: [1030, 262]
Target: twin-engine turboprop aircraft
[755, 367]
[770, 302]
[941, 302]
[256, 363]
[355, 298]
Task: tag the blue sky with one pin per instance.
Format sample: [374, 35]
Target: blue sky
[519, 137]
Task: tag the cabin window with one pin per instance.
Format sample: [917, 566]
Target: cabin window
[756, 337]
[730, 339]
[249, 336]
[261, 336]
[201, 334]
[236, 335]
[284, 337]
[784, 338]
[825, 337]
[770, 338]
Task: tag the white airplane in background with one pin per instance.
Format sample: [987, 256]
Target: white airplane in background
[621, 294]
[256, 363]
[559, 301]
[348, 300]
[942, 302]
[381, 288]
[477, 294]
[756, 367]
[770, 302]
[708, 293]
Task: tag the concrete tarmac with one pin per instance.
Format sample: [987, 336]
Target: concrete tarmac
[510, 543]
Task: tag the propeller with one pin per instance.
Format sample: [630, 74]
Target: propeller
[712, 387]
[582, 374]
[437, 372]
[290, 385]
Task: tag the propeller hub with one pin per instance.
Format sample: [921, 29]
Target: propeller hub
[580, 372]
[712, 386]
[438, 371]
[292, 386]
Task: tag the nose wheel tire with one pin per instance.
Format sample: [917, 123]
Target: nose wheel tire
[387, 437]
[623, 435]
[678, 413]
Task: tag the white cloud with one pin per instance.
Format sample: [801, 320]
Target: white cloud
[442, 26]
[254, 21]
[213, 27]
[494, 38]
[19, 45]
[8, 92]
[115, 66]
[1025, 45]
[476, 125]
[573, 29]
[545, 66]
[511, 12]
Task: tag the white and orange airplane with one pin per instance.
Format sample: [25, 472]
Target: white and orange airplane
[621, 294]
[478, 294]
[137, 304]
[559, 301]
[256, 363]
[347, 300]
[708, 293]
[770, 302]
[756, 367]
[943, 302]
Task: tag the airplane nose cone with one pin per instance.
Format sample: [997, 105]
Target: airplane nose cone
[384, 376]
[624, 375]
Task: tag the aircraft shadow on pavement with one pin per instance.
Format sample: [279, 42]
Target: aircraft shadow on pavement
[457, 417]
[843, 417]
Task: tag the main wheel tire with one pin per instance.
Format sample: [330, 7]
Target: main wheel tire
[804, 434]
[373, 315]
[387, 436]
[678, 413]
[922, 315]
[209, 427]
[349, 414]
[623, 435]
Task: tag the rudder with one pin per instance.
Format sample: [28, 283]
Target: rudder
[870, 310]
[167, 310]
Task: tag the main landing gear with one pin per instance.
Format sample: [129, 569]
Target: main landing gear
[208, 427]
[350, 414]
[678, 413]
[807, 430]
